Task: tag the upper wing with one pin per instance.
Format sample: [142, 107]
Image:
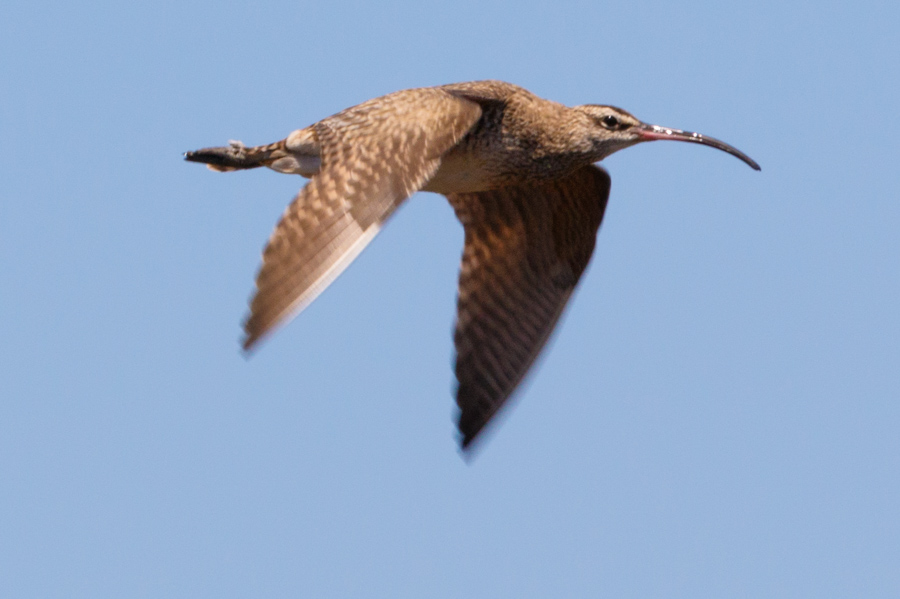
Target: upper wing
[525, 249]
[373, 156]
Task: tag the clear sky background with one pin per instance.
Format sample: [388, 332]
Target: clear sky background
[717, 416]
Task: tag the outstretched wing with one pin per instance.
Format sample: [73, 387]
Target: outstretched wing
[373, 156]
[525, 249]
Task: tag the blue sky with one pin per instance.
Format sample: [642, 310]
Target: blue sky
[717, 415]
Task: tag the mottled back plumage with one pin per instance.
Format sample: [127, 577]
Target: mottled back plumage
[517, 170]
[373, 156]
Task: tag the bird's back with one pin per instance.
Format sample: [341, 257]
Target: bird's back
[520, 137]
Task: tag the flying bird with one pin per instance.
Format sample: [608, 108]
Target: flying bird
[518, 171]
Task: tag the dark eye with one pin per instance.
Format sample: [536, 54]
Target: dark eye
[610, 122]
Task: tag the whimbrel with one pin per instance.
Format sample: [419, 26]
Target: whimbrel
[518, 171]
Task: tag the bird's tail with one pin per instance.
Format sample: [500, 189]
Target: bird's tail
[236, 156]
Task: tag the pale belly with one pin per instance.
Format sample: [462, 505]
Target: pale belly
[462, 173]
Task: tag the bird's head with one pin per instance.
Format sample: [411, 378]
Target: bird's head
[613, 129]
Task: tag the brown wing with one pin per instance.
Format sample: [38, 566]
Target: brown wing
[373, 156]
[525, 249]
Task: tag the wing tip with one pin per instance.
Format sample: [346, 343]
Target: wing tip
[471, 427]
[468, 448]
[253, 334]
[247, 346]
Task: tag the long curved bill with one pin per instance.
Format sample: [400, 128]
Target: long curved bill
[653, 132]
